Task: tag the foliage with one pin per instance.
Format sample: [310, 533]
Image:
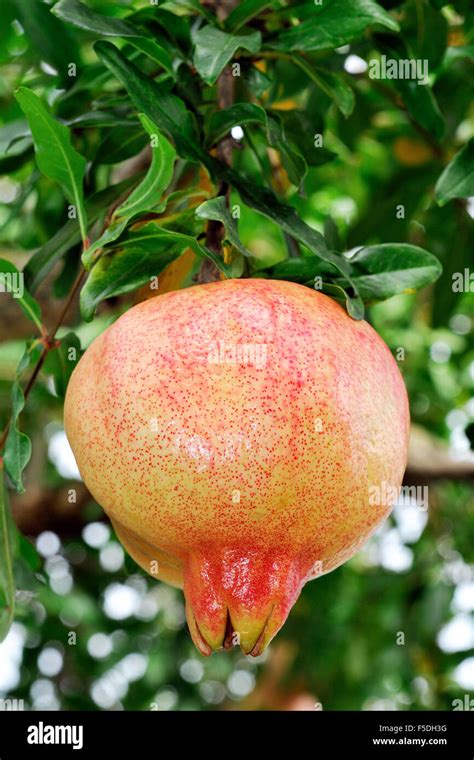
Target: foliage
[142, 144]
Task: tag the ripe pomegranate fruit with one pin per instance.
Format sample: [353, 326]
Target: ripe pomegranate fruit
[233, 432]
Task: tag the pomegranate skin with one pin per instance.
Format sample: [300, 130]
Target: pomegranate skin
[234, 433]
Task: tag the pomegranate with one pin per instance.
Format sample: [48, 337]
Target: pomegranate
[236, 433]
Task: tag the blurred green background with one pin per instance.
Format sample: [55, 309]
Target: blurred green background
[392, 629]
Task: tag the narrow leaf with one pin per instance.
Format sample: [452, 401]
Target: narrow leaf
[332, 84]
[301, 269]
[122, 272]
[382, 271]
[216, 209]
[146, 196]
[110, 234]
[61, 361]
[214, 49]
[81, 15]
[166, 110]
[422, 105]
[457, 180]
[188, 7]
[12, 281]
[155, 52]
[245, 12]
[150, 235]
[287, 218]
[55, 155]
[43, 260]
[47, 36]
[331, 234]
[418, 98]
[158, 177]
[143, 253]
[7, 540]
[333, 24]
[17, 446]
[222, 121]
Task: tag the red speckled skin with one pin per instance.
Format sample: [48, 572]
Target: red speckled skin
[239, 478]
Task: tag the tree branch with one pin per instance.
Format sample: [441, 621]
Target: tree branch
[225, 97]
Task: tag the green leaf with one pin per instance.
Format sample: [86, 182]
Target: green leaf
[264, 201]
[221, 123]
[28, 553]
[7, 550]
[119, 144]
[332, 84]
[407, 187]
[332, 24]
[457, 180]
[10, 164]
[61, 361]
[301, 129]
[12, 281]
[55, 155]
[155, 52]
[418, 98]
[152, 237]
[382, 271]
[451, 232]
[286, 217]
[69, 271]
[455, 53]
[50, 40]
[81, 15]
[110, 234]
[188, 7]
[214, 49]
[216, 209]
[15, 208]
[99, 119]
[122, 272]
[425, 31]
[142, 254]
[12, 133]
[166, 110]
[331, 234]
[245, 12]
[158, 177]
[146, 196]
[422, 105]
[256, 81]
[44, 259]
[378, 272]
[17, 446]
[302, 269]
[336, 292]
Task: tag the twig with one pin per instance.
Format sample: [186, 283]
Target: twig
[48, 339]
[48, 342]
[225, 97]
